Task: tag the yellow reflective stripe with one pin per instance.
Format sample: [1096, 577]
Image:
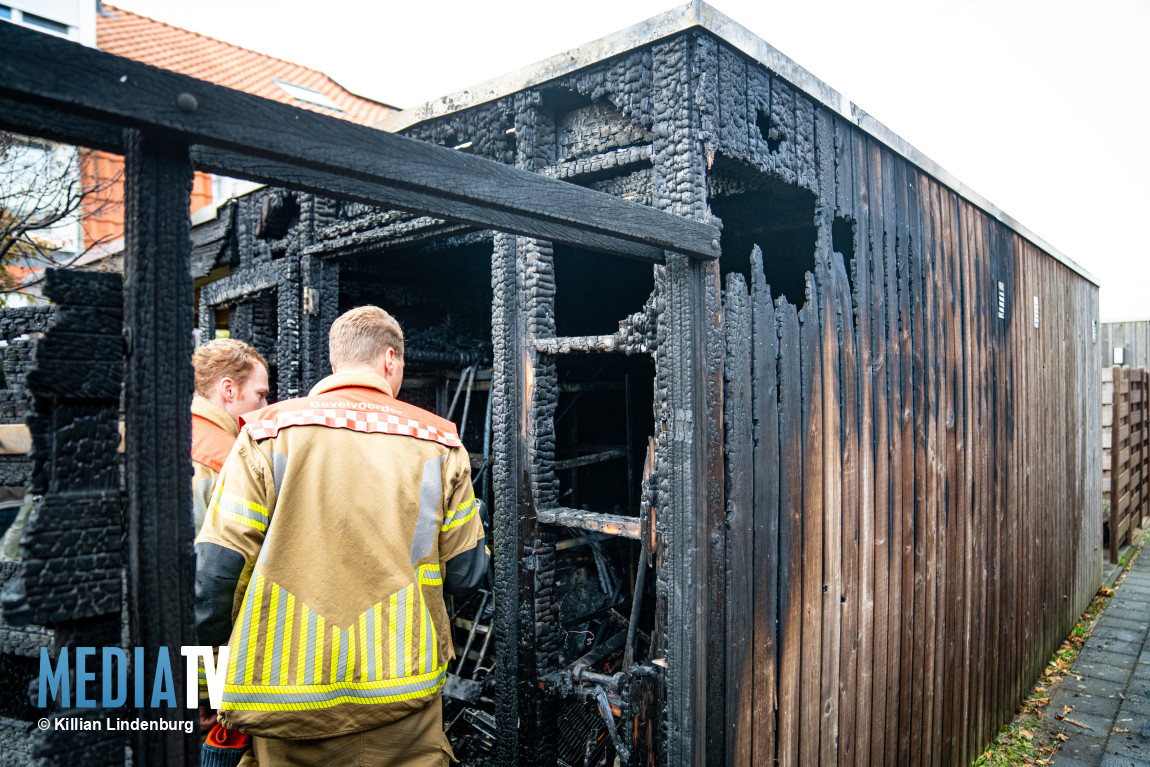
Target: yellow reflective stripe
[377, 627]
[320, 636]
[285, 653]
[456, 522]
[409, 614]
[429, 575]
[242, 510]
[453, 519]
[349, 674]
[305, 697]
[363, 647]
[301, 657]
[391, 637]
[335, 632]
[270, 636]
[254, 630]
[422, 632]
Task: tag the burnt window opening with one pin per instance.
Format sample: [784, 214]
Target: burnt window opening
[770, 131]
[603, 421]
[279, 210]
[595, 291]
[843, 243]
[777, 216]
[442, 300]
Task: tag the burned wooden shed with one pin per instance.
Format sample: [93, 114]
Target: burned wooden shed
[822, 485]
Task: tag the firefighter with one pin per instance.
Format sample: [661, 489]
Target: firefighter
[337, 524]
[231, 379]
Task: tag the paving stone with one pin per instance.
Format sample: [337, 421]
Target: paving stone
[1110, 644]
[1102, 688]
[1090, 704]
[1083, 748]
[1107, 658]
[1065, 760]
[1135, 705]
[1099, 725]
[1117, 635]
[1114, 620]
[1098, 670]
[1114, 760]
[1136, 741]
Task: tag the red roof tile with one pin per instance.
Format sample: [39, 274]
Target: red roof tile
[127, 34]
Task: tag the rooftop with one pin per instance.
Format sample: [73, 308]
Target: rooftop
[140, 38]
[697, 14]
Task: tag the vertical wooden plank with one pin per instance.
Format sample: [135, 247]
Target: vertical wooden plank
[157, 395]
[740, 591]
[791, 565]
[766, 508]
[858, 383]
[850, 685]
[848, 522]
[878, 448]
[830, 312]
[810, 335]
[910, 303]
[898, 330]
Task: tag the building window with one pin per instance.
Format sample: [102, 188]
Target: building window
[46, 24]
[307, 95]
[5, 12]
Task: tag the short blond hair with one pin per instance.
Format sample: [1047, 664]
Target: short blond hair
[224, 358]
[362, 335]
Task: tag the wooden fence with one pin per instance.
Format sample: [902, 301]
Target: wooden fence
[914, 517]
[1125, 452]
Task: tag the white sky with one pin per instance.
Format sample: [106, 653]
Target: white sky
[1039, 105]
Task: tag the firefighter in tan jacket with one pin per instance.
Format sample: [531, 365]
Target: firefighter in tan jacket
[336, 526]
[231, 380]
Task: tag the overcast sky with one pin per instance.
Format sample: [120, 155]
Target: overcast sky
[1041, 106]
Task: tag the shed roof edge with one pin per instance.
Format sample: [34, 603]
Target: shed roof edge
[699, 14]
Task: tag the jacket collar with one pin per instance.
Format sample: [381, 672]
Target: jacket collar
[361, 378]
[205, 409]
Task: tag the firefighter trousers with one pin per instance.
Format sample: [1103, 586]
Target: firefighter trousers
[416, 740]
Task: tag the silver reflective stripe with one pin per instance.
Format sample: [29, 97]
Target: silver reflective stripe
[309, 669]
[429, 498]
[245, 631]
[371, 642]
[428, 637]
[278, 645]
[366, 692]
[341, 672]
[279, 466]
[201, 495]
[401, 647]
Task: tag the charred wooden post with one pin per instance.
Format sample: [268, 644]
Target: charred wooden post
[68, 578]
[157, 390]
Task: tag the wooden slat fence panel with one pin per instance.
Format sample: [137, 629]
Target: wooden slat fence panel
[1125, 452]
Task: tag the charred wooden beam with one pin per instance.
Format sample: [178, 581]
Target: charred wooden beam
[66, 76]
[612, 524]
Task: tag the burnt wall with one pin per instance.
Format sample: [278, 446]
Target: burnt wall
[919, 489]
[922, 521]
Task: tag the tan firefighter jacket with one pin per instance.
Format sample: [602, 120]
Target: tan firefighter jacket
[345, 507]
[213, 434]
